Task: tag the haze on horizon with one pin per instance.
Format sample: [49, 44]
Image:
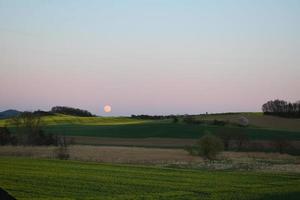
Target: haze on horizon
[149, 57]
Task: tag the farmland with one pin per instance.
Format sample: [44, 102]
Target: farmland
[261, 127]
[27, 178]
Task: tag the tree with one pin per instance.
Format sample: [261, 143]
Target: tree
[232, 138]
[71, 111]
[6, 137]
[210, 146]
[282, 108]
[175, 120]
[29, 129]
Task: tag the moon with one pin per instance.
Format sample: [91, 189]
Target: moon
[107, 108]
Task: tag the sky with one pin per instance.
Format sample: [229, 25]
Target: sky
[149, 56]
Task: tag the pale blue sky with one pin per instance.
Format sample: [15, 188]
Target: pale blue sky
[155, 57]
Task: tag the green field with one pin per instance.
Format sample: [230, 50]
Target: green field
[261, 127]
[32, 179]
[60, 119]
[163, 130]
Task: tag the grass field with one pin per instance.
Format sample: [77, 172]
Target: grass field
[33, 179]
[163, 130]
[261, 127]
[60, 119]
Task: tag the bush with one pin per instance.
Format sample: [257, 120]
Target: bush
[62, 153]
[233, 138]
[219, 123]
[210, 146]
[6, 137]
[243, 121]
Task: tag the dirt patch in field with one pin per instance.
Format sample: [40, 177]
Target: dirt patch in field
[132, 155]
[164, 157]
[106, 154]
[258, 145]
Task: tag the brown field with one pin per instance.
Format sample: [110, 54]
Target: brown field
[156, 142]
[163, 157]
[259, 120]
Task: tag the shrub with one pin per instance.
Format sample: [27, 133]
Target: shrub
[175, 120]
[219, 122]
[233, 138]
[6, 137]
[243, 121]
[62, 153]
[210, 146]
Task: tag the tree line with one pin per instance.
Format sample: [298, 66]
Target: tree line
[27, 129]
[282, 108]
[71, 111]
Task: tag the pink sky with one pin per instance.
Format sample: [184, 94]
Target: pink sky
[170, 58]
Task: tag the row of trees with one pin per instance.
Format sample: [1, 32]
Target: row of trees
[209, 146]
[282, 108]
[71, 111]
[27, 130]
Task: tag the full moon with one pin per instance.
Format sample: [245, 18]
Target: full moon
[107, 108]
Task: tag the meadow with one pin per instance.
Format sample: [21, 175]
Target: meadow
[32, 179]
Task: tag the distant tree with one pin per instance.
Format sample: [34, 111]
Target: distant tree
[232, 138]
[29, 129]
[241, 139]
[219, 122]
[71, 111]
[62, 151]
[282, 108]
[210, 146]
[6, 137]
[175, 120]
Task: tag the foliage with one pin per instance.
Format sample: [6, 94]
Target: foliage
[219, 122]
[6, 137]
[71, 111]
[191, 120]
[210, 146]
[282, 108]
[28, 127]
[233, 138]
[175, 120]
[62, 150]
[35, 179]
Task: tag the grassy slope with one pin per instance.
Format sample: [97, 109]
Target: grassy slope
[262, 127]
[52, 179]
[74, 120]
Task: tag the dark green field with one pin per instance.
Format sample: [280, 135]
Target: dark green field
[52, 179]
[163, 130]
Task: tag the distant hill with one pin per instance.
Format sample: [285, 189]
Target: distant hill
[9, 114]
